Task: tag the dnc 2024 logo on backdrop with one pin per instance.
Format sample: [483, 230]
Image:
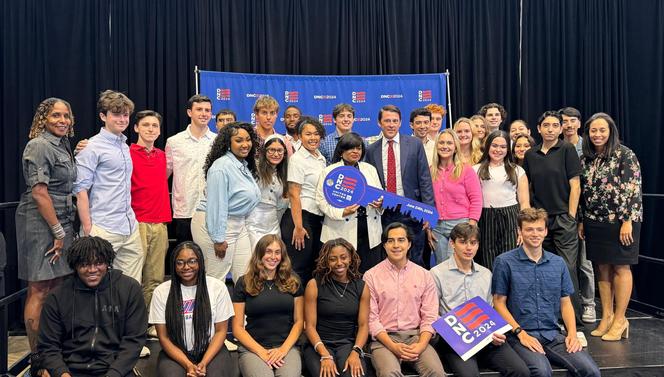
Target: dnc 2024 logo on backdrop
[291, 96]
[223, 94]
[424, 95]
[359, 97]
[325, 119]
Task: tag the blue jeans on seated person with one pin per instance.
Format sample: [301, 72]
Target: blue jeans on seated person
[578, 364]
[442, 232]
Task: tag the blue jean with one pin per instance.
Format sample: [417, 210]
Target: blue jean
[441, 233]
[578, 364]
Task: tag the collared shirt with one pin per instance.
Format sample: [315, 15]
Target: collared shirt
[533, 290]
[549, 175]
[401, 299]
[104, 169]
[149, 185]
[185, 158]
[397, 161]
[304, 169]
[429, 147]
[295, 144]
[328, 144]
[456, 287]
[230, 191]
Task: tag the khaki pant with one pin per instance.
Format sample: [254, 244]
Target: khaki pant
[154, 238]
[128, 251]
[386, 363]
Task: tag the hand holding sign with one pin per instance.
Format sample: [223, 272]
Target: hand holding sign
[470, 327]
[346, 186]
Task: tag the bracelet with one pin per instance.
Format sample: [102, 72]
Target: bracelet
[358, 349]
[328, 357]
[316, 345]
[58, 231]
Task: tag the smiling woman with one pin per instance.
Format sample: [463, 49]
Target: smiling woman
[190, 313]
[44, 216]
[220, 222]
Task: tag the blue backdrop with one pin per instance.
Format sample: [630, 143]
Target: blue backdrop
[316, 96]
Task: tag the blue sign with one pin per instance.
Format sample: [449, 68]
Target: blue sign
[468, 327]
[316, 96]
[345, 186]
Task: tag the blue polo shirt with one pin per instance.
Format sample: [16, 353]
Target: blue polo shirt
[533, 290]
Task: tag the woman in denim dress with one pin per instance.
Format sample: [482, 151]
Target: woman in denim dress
[45, 214]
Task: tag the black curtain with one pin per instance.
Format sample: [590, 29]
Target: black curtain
[574, 55]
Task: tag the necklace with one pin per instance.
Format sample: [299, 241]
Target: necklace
[269, 286]
[334, 285]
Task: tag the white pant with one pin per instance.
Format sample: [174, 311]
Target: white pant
[238, 252]
[129, 256]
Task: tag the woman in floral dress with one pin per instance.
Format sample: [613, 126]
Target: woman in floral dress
[612, 215]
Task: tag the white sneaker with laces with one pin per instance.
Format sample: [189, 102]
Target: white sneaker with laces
[588, 315]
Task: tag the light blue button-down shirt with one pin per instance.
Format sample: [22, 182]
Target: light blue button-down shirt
[230, 191]
[104, 169]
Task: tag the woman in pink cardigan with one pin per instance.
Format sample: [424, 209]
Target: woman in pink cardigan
[457, 192]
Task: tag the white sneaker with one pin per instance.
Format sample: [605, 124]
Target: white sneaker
[588, 315]
[230, 345]
[582, 339]
[145, 352]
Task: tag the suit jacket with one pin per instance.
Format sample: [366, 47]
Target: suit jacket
[415, 175]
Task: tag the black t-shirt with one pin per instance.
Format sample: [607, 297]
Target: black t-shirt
[549, 175]
[269, 314]
[337, 316]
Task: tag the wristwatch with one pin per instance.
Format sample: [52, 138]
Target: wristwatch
[517, 331]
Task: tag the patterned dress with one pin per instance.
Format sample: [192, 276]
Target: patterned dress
[611, 195]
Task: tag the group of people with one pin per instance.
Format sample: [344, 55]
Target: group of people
[249, 202]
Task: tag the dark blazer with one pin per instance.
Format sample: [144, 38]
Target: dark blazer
[415, 176]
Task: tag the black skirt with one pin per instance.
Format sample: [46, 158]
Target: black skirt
[603, 243]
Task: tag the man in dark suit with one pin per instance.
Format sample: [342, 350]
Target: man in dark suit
[402, 167]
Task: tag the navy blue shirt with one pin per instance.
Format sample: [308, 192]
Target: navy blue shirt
[533, 290]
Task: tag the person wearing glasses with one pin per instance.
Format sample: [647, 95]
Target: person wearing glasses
[95, 324]
[191, 313]
[272, 171]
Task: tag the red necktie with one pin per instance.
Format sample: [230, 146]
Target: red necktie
[391, 168]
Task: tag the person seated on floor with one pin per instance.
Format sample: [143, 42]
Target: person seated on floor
[459, 279]
[531, 288]
[403, 306]
[190, 313]
[270, 294]
[95, 323]
[336, 311]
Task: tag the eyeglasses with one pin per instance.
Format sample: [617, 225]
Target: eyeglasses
[189, 262]
[275, 151]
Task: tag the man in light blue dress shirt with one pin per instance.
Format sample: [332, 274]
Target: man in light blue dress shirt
[103, 185]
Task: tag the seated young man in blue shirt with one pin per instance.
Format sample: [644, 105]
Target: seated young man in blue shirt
[531, 288]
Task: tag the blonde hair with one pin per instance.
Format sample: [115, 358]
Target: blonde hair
[458, 164]
[265, 102]
[475, 145]
[41, 115]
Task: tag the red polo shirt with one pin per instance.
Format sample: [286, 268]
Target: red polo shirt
[149, 185]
